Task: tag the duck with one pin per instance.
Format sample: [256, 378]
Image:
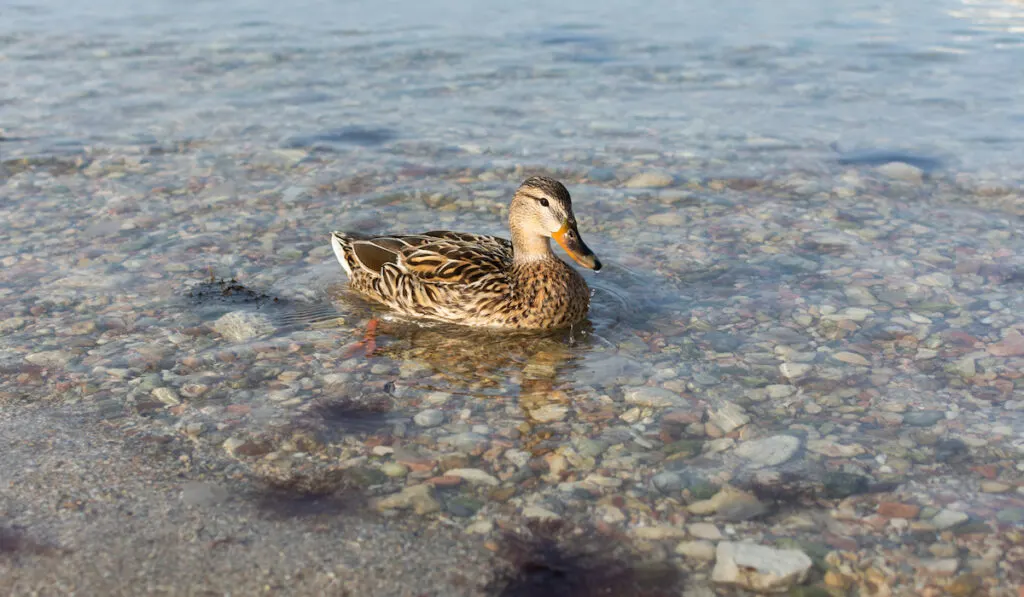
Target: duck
[480, 280]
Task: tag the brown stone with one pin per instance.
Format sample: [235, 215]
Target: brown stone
[898, 510]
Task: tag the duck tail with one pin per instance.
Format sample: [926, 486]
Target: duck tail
[341, 242]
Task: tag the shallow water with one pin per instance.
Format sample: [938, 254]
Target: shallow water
[834, 255]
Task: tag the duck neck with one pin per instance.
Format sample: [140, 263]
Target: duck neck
[530, 248]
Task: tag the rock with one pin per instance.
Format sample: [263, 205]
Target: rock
[667, 482]
[966, 367]
[538, 513]
[779, 391]
[770, 451]
[947, 519]
[653, 397]
[704, 530]
[840, 484]
[759, 568]
[1012, 345]
[731, 503]
[394, 469]
[898, 510]
[669, 218]
[935, 280]
[466, 442]
[520, 458]
[480, 527]
[794, 371]
[651, 180]
[834, 449]
[994, 487]
[901, 171]
[703, 551]
[923, 418]
[943, 567]
[430, 417]
[195, 493]
[419, 498]
[549, 413]
[474, 476]
[438, 398]
[167, 396]
[727, 416]
[851, 358]
[242, 326]
[50, 358]
[859, 295]
[722, 342]
[659, 532]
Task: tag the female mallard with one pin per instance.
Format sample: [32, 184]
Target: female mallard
[478, 280]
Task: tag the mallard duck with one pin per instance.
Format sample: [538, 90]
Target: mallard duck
[479, 280]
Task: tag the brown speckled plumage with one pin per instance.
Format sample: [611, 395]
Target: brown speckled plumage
[480, 280]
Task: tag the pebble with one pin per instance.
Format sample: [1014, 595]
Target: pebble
[669, 218]
[779, 391]
[947, 519]
[419, 498]
[242, 326]
[923, 418]
[794, 370]
[50, 358]
[659, 532]
[770, 451]
[474, 476]
[943, 567]
[167, 396]
[197, 493]
[703, 551]
[430, 417]
[480, 527]
[667, 482]
[938, 280]
[759, 567]
[549, 413]
[438, 398]
[901, 171]
[539, 513]
[1012, 345]
[394, 469]
[652, 397]
[704, 530]
[520, 458]
[728, 416]
[651, 179]
[994, 487]
[851, 358]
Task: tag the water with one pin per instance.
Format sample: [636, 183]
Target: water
[834, 256]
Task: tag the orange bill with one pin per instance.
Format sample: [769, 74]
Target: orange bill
[568, 237]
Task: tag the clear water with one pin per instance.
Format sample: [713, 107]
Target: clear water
[147, 145]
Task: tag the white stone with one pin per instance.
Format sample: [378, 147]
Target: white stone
[167, 396]
[549, 413]
[474, 476]
[652, 397]
[241, 326]
[50, 358]
[704, 530]
[947, 519]
[779, 391]
[659, 532]
[770, 451]
[901, 171]
[759, 567]
[538, 513]
[430, 417]
[728, 416]
[652, 179]
[794, 370]
[697, 550]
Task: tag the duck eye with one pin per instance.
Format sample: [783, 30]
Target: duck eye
[543, 202]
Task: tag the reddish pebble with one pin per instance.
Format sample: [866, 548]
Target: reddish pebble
[898, 510]
[238, 409]
[444, 481]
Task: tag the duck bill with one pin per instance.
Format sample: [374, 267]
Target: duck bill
[568, 237]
